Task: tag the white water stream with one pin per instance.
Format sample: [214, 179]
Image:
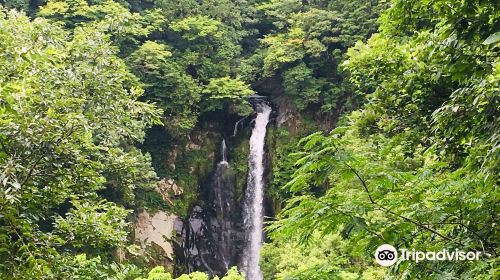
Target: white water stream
[224, 153]
[253, 212]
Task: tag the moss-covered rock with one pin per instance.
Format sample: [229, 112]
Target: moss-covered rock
[239, 150]
[187, 160]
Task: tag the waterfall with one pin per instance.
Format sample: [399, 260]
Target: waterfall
[235, 131]
[254, 196]
[220, 185]
[223, 151]
[224, 232]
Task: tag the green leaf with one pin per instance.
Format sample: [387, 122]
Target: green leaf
[493, 38]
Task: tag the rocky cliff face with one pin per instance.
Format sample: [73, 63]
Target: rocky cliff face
[153, 232]
[209, 234]
[286, 115]
[211, 237]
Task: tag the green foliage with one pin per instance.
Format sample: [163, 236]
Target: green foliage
[17, 4]
[232, 274]
[158, 273]
[167, 84]
[188, 161]
[417, 166]
[228, 92]
[283, 158]
[239, 150]
[205, 51]
[192, 168]
[197, 59]
[111, 15]
[300, 84]
[325, 257]
[306, 47]
[197, 27]
[441, 80]
[80, 267]
[370, 191]
[237, 16]
[94, 225]
[69, 117]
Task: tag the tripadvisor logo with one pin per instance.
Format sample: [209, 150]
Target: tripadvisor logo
[387, 255]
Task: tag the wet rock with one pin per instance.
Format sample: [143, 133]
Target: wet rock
[212, 237]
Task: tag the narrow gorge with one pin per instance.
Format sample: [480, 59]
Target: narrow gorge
[228, 231]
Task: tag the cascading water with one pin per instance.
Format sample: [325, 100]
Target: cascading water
[219, 188]
[254, 197]
[223, 232]
[235, 131]
[223, 151]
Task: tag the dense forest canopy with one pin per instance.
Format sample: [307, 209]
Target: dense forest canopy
[395, 138]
